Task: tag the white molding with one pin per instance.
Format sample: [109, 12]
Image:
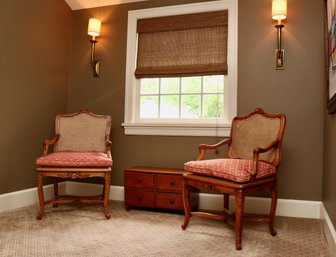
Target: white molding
[131, 87]
[175, 130]
[78, 188]
[23, 198]
[26, 197]
[259, 205]
[214, 202]
[285, 207]
[328, 228]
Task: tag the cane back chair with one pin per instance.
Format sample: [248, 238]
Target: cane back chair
[81, 149]
[251, 159]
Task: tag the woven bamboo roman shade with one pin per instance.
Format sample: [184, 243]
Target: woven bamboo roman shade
[182, 45]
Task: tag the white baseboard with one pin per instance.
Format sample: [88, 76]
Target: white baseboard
[328, 228]
[26, 197]
[258, 205]
[78, 188]
[285, 207]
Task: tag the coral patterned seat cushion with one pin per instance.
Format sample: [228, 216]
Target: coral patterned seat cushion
[232, 169]
[75, 159]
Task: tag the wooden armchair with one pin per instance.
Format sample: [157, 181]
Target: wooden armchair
[81, 149]
[251, 160]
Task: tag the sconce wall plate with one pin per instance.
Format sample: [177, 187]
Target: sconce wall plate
[279, 59]
[96, 68]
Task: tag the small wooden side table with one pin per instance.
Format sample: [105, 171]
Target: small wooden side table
[155, 188]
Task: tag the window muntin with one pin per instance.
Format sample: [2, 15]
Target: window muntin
[193, 98]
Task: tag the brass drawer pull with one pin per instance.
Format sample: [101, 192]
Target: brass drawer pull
[171, 201]
[172, 182]
[139, 180]
[139, 197]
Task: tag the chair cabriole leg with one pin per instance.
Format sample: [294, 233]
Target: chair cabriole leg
[40, 195]
[273, 209]
[103, 193]
[240, 198]
[186, 204]
[55, 192]
[107, 178]
[226, 205]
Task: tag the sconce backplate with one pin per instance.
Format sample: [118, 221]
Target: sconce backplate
[96, 68]
[279, 59]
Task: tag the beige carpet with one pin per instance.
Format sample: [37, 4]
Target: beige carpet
[83, 231]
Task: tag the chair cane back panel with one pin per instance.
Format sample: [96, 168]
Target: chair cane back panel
[257, 130]
[74, 138]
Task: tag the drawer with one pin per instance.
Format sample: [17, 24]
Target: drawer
[139, 180]
[139, 198]
[169, 182]
[169, 201]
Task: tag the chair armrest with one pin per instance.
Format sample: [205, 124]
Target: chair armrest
[256, 152]
[259, 150]
[48, 142]
[203, 147]
[108, 148]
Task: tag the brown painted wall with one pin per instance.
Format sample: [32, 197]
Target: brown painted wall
[296, 91]
[34, 64]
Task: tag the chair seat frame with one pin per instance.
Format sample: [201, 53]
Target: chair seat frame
[227, 188]
[73, 173]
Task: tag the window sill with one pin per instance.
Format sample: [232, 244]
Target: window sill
[176, 129]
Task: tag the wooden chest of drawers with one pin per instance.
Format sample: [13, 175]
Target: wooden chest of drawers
[155, 188]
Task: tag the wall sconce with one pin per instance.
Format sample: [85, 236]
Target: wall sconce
[94, 31]
[279, 12]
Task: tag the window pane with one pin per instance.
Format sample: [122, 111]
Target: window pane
[191, 106]
[169, 106]
[149, 86]
[170, 85]
[191, 84]
[213, 106]
[213, 84]
[149, 107]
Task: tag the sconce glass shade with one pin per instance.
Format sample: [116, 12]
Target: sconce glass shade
[94, 27]
[279, 9]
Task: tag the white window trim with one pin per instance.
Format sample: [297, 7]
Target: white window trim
[221, 128]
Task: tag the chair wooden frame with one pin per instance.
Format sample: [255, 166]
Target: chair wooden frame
[238, 190]
[58, 173]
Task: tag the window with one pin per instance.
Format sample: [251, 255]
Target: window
[180, 98]
[189, 101]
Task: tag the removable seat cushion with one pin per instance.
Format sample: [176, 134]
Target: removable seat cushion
[237, 170]
[75, 159]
